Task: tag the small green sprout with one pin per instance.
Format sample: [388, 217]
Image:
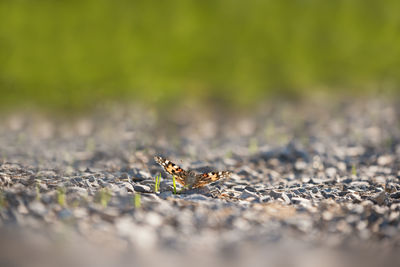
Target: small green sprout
[105, 196]
[353, 170]
[137, 201]
[61, 196]
[174, 183]
[157, 183]
[37, 190]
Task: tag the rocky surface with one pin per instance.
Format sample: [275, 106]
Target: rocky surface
[306, 178]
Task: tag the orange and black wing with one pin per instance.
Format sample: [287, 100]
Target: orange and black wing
[173, 169]
[209, 177]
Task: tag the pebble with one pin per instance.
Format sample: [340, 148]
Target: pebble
[38, 208]
[380, 197]
[274, 194]
[129, 187]
[395, 195]
[139, 175]
[142, 188]
[286, 198]
[247, 194]
[195, 197]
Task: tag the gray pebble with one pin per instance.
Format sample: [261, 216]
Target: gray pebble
[247, 194]
[142, 188]
[395, 195]
[286, 198]
[194, 197]
[274, 194]
[38, 208]
[166, 194]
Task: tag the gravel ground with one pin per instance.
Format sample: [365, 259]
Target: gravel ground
[313, 184]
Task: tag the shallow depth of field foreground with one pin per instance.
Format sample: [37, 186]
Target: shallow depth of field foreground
[313, 184]
[199, 133]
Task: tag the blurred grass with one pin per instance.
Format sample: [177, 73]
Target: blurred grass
[73, 55]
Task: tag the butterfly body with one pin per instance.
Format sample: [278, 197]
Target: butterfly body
[189, 178]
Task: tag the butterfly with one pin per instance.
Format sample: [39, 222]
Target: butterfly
[189, 178]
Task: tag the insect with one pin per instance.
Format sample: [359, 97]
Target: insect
[189, 178]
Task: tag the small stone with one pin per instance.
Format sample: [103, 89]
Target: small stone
[327, 195]
[165, 194]
[139, 175]
[327, 215]
[356, 198]
[380, 197]
[195, 197]
[331, 172]
[65, 214]
[142, 188]
[125, 177]
[315, 190]
[265, 199]
[77, 190]
[22, 209]
[286, 198]
[316, 181]
[347, 180]
[302, 190]
[360, 184]
[390, 188]
[128, 186]
[250, 189]
[300, 165]
[153, 219]
[76, 179]
[38, 208]
[239, 188]
[247, 194]
[385, 160]
[302, 201]
[275, 194]
[395, 195]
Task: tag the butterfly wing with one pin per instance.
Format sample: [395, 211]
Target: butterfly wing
[209, 177]
[173, 169]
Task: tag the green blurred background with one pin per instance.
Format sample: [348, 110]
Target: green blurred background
[77, 54]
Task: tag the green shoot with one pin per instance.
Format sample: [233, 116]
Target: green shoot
[61, 196]
[157, 184]
[137, 201]
[174, 183]
[105, 197]
[353, 170]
